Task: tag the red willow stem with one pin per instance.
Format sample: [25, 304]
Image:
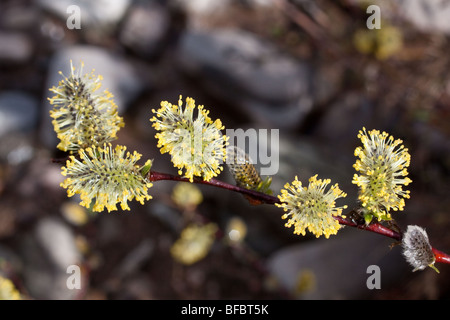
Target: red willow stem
[265, 198]
[373, 227]
[441, 256]
[268, 199]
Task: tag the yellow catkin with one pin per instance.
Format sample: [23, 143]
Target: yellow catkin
[382, 166]
[196, 145]
[311, 208]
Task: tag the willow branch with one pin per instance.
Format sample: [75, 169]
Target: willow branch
[268, 199]
[262, 197]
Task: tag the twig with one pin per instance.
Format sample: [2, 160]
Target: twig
[262, 197]
[268, 199]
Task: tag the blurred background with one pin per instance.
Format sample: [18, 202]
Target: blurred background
[311, 69]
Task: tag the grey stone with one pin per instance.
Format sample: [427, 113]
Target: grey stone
[136, 257]
[344, 117]
[144, 29]
[167, 215]
[16, 148]
[109, 229]
[428, 16]
[18, 112]
[98, 15]
[303, 157]
[248, 73]
[326, 82]
[58, 241]
[202, 7]
[260, 3]
[10, 259]
[53, 31]
[20, 17]
[47, 252]
[15, 48]
[253, 65]
[200, 13]
[339, 265]
[137, 286]
[389, 9]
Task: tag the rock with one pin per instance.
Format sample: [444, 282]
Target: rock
[119, 77]
[248, 73]
[20, 17]
[431, 154]
[201, 7]
[337, 268]
[303, 157]
[428, 16]
[42, 177]
[48, 252]
[389, 9]
[259, 3]
[58, 241]
[326, 82]
[8, 222]
[16, 148]
[10, 260]
[18, 112]
[340, 123]
[254, 66]
[53, 31]
[109, 229]
[102, 15]
[135, 258]
[200, 13]
[167, 215]
[138, 286]
[144, 29]
[15, 48]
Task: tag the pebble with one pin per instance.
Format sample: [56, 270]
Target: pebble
[58, 241]
[202, 7]
[341, 122]
[48, 251]
[15, 48]
[249, 73]
[16, 148]
[428, 16]
[10, 259]
[303, 157]
[144, 29]
[102, 15]
[18, 112]
[20, 17]
[338, 266]
[136, 258]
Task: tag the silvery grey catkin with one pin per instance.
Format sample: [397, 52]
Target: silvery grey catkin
[417, 249]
